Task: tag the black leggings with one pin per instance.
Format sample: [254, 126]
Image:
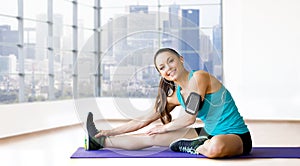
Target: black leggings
[246, 139]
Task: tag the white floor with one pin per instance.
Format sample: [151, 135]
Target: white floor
[54, 147]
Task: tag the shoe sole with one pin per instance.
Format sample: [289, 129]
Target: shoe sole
[86, 138]
[85, 123]
[186, 139]
[86, 143]
[87, 135]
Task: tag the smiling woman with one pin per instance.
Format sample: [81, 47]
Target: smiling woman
[228, 134]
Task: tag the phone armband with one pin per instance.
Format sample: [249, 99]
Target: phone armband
[193, 103]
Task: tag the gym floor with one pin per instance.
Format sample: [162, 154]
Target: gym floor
[55, 146]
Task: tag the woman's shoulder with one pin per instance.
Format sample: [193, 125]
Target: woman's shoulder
[200, 74]
[212, 82]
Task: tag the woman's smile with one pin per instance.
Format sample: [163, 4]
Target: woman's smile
[172, 73]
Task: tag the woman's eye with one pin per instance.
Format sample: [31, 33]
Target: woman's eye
[171, 60]
[161, 68]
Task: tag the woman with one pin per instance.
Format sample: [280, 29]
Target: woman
[228, 134]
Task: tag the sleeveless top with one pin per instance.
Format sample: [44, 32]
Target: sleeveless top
[219, 113]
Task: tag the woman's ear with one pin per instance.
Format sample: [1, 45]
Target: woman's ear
[181, 59]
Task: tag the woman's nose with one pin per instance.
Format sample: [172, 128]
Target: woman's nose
[167, 67]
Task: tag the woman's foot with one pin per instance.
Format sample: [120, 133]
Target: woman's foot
[187, 145]
[90, 125]
[93, 143]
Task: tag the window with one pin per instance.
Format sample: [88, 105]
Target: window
[60, 49]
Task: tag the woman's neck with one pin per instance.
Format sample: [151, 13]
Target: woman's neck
[183, 79]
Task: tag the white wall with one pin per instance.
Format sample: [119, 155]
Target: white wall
[262, 57]
[16, 119]
[24, 118]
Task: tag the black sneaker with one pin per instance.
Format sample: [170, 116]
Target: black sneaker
[93, 143]
[90, 125]
[187, 145]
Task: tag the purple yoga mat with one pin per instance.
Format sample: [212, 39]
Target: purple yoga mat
[165, 152]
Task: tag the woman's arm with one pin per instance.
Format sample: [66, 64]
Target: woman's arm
[181, 122]
[131, 126]
[141, 122]
[199, 84]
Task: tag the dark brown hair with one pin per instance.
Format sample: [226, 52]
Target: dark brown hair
[166, 88]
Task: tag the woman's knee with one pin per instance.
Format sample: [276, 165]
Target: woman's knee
[155, 139]
[215, 149]
[224, 146]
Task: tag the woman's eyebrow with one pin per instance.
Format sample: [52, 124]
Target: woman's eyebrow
[167, 61]
[168, 58]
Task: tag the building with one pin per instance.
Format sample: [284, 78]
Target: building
[8, 64]
[190, 39]
[9, 36]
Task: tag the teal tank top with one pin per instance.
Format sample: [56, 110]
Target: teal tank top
[219, 113]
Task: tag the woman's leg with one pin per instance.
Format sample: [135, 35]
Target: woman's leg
[140, 141]
[222, 146]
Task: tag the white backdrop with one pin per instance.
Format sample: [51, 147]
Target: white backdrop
[262, 57]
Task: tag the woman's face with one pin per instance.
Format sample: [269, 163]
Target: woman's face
[169, 65]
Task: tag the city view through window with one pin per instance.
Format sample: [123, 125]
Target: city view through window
[83, 48]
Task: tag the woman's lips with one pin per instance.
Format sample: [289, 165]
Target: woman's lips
[172, 73]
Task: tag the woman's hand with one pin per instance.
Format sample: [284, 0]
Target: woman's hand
[103, 133]
[158, 129]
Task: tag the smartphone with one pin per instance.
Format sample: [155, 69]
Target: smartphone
[193, 103]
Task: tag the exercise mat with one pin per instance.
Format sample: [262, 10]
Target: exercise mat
[165, 152]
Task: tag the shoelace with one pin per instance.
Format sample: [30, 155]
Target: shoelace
[92, 126]
[188, 150]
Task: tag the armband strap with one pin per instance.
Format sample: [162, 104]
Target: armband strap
[193, 103]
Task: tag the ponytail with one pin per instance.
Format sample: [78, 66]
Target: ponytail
[166, 88]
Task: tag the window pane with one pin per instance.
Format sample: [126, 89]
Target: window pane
[29, 36]
[35, 9]
[209, 16]
[8, 63]
[36, 87]
[86, 2]
[7, 50]
[67, 39]
[36, 33]
[63, 74]
[116, 11]
[8, 34]
[9, 79]
[32, 62]
[8, 88]
[86, 70]
[86, 16]
[86, 40]
[65, 9]
[58, 31]
[10, 7]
